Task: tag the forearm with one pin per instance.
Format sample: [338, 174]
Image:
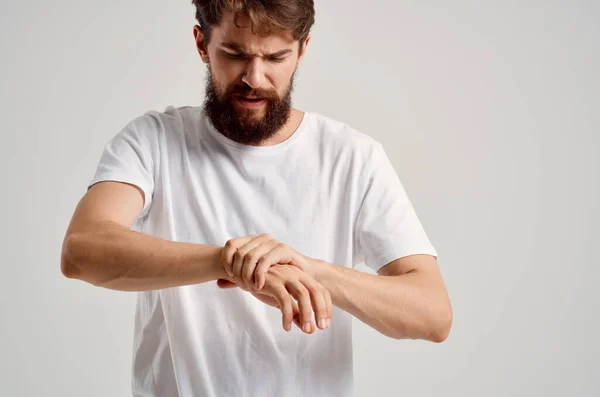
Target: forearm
[401, 307]
[112, 256]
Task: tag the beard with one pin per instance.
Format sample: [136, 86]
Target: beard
[245, 125]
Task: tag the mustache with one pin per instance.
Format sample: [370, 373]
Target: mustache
[247, 91]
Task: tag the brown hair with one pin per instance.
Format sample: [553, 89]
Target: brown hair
[265, 15]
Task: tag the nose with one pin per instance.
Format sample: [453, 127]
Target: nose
[254, 75]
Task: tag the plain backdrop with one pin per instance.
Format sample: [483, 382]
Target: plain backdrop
[489, 111]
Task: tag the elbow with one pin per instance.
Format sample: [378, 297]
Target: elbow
[442, 326]
[72, 258]
[68, 264]
[77, 261]
[434, 327]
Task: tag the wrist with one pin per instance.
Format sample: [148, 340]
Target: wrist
[214, 256]
[320, 270]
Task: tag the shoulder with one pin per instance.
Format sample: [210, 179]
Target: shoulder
[170, 117]
[341, 137]
[170, 122]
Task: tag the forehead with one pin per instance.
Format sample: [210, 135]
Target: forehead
[228, 32]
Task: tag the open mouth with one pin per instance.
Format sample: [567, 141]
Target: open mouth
[249, 101]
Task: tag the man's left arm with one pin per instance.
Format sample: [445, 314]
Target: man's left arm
[406, 300]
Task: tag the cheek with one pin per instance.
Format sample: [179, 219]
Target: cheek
[225, 73]
[281, 78]
[224, 80]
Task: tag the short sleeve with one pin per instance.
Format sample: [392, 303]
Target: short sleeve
[387, 227]
[128, 157]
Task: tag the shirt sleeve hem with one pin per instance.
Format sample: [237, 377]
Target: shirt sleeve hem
[145, 186]
[385, 259]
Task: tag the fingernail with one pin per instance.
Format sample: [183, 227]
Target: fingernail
[328, 322]
[306, 327]
[288, 327]
[322, 323]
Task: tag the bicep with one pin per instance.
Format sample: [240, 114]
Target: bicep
[110, 201]
[409, 264]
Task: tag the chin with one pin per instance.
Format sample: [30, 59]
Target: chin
[255, 115]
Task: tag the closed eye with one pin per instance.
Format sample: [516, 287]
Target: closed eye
[276, 59]
[233, 56]
[236, 56]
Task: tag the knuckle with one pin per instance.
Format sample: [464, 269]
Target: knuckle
[261, 264]
[306, 313]
[313, 289]
[304, 293]
[321, 307]
[252, 257]
[228, 252]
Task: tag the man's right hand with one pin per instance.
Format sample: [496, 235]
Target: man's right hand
[284, 286]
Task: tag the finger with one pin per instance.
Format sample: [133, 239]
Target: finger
[280, 254]
[296, 312]
[329, 302]
[317, 299]
[231, 246]
[251, 260]
[238, 262]
[275, 255]
[225, 284]
[301, 294]
[285, 304]
[240, 256]
[278, 272]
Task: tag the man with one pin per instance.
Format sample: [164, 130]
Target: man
[248, 215]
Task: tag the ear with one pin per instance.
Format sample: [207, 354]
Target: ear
[304, 45]
[201, 45]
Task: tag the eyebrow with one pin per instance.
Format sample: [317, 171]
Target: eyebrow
[237, 48]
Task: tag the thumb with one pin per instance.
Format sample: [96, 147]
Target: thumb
[225, 284]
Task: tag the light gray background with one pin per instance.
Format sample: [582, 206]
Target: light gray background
[488, 110]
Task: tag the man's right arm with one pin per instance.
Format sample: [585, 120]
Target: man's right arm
[100, 248]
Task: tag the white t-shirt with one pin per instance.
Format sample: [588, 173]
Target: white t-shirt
[328, 191]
